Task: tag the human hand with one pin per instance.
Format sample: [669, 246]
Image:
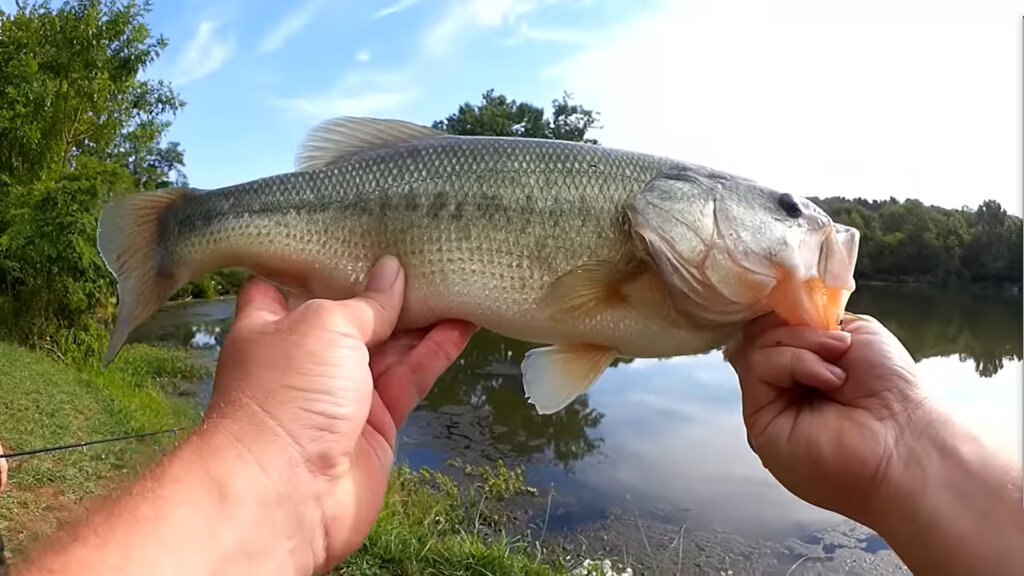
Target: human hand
[827, 412]
[325, 388]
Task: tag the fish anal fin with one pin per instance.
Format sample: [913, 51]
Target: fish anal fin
[338, 138]
[554, 376]
[590, 287]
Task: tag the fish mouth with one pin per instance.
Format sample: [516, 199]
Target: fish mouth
[820, 300]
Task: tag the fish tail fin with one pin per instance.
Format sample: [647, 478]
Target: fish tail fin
[129, 242]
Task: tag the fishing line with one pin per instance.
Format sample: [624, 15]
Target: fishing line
[89, 443]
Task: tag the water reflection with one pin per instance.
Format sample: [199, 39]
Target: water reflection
[194, 324]
[486, 379]
[985, 329]
[669, 434]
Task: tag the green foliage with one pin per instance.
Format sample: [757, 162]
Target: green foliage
[46, 403]
[221, 283]
[72, 86]
[911, 242]
[80, 126]
[431, 526]
[498, 482]
[497, 115]
[55, 289]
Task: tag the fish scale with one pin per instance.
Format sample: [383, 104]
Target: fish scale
[510, 191]
[540, 240]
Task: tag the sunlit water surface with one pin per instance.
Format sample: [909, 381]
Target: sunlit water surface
[665, 438]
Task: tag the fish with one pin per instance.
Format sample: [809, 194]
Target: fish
[588, 252]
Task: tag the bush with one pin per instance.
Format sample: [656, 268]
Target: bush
[55, 291]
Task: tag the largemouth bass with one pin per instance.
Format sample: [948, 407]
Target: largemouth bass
[593, 252]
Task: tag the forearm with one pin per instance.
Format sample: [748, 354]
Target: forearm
[955, 505]
[209, 508]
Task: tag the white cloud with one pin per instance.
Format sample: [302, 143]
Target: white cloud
[204, 54]
[470, 15]
[525, 33]
[290, 26]
[397, 7]
[324, 106]
[363, 56]
[357, 94]
[913, 99]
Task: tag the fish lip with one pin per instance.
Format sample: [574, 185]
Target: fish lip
[816, 293]
[837, 257]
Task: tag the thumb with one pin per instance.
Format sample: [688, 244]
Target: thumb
[260, 301]
[374, 313]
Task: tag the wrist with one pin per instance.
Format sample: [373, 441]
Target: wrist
[266, 486]
[945, 487]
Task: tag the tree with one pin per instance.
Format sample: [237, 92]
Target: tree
[79, 125]
[71, 84]
[911, 242]
[58, 291]
[497, 115]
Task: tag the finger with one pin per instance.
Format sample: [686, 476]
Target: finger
[849, 319]
[750, 332]
[409, 381]
[381, 421]
[830, 344]
[259, 300]
[373, 314]
[785, 367]
[761, 324]
[387, 354]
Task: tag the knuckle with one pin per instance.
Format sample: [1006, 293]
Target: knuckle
[794, 360]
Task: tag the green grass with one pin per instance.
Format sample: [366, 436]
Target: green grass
[429, 525]
[433, 525]
[44, 402]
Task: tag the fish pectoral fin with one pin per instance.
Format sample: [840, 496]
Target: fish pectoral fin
[338, 138]
[591, 286]
[556, 375]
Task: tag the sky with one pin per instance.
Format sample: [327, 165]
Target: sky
[916, 99]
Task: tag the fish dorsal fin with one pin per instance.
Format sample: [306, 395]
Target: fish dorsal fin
[338, 138]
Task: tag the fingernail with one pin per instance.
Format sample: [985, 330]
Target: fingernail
[836, 373]
[383, 274]
[838, 336]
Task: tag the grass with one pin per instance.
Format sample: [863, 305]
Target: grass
[433, 525]
[45, 403]
[430, 524]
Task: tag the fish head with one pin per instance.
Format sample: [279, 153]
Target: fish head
[730, 249]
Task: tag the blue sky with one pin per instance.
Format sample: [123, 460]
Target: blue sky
[256, 75]
[919, 99]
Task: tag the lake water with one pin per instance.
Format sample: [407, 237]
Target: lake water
[663, 441]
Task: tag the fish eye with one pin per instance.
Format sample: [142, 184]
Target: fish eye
[789, 205]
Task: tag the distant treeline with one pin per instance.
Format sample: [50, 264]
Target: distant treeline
[910, 242]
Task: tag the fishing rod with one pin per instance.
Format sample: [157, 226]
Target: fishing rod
[89, 443]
